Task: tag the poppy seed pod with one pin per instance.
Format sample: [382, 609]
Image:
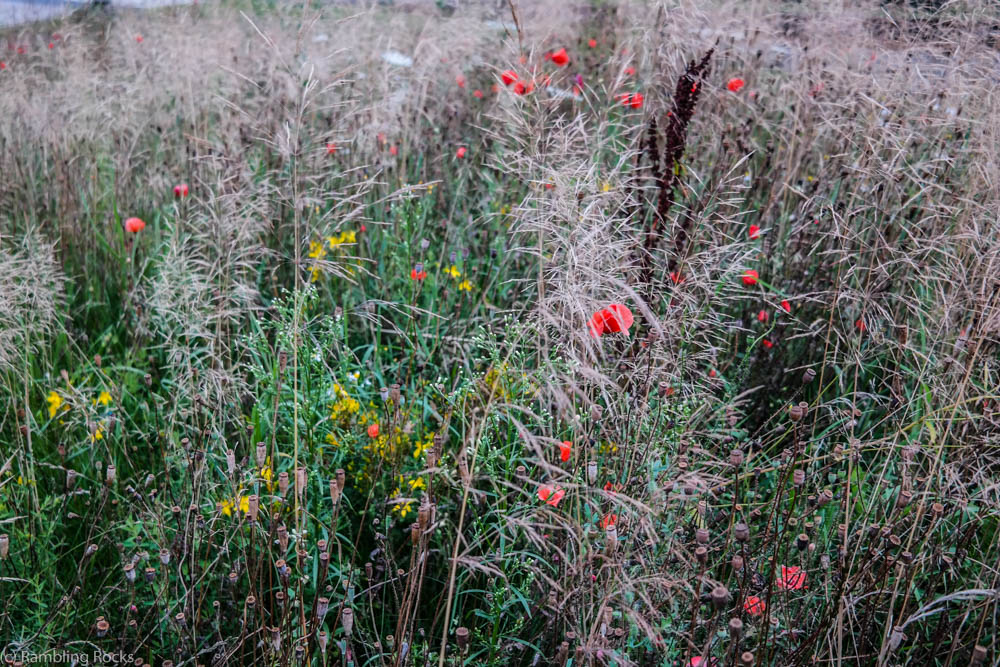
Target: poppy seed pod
[701, 536]
[165, 556]
[611, 534]
[110, 473]
[180, 619]
[261, 454]
[70, 479]
[283, 483]
[737, 562]
[592, 472]
[231, 461]
[149, 574]
[799, 477]
[276, 639]
[347, 620]
[937, 509]
[282, 537]
[808, 376]
[736, 457]
[720, 597]
[322, 638]
[747, 659]
[904, 499]
[978, 655]
[741, 532]
[394, 393]
[462, 638]
[424, 515]
[415, 533]
[795, 412]
[251, 602]
[322, 606]
[130, 572]
[802, 541]
[301, 478]
[701, 553]
[282, 567]
[735, 627]
[102, 627]
[4, 546]
[341, 478]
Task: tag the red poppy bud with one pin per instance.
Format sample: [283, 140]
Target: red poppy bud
[734, 85]
[565, 449]
[560, 57]
[786, 306]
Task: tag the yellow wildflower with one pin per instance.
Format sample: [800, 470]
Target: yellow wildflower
[453, 271]
[55, 402]
[104, 398]
[465, 285]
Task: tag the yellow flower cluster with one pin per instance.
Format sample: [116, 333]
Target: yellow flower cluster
[344, 408]
[404, 506]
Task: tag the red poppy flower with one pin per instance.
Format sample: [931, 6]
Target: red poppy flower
[3, 65]
[549, 186]
[418, 275]
[767, 344]
[134, 225]
[699, 661]
[460, 153]
[616, 318]
[630, 71]
[331, 148]
[20, 50]
[753, 605]
[754, 231]
[786, 306]
[138, 39]
[637, 100]
[373, 430]
[508, 77]
[460, 81]
[478, 94]
[762, 316]
[51, 45]
[676, 277]
[735, 84]
[750, 277]
[792, 578]
[181, 190]
[592, 43]
[860, 325]
[394, 150]
[519, 88]
[712, 373]
[608, 520]
[550, 495]
[565, 449]
[560, 57]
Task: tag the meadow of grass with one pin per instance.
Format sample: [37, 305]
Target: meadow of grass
[323, 340]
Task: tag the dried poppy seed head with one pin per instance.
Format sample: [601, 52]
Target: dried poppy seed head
[149, 574]
[904, 499]
[394, 392]
[110, 473]
[802, 541]
[251, 602]
[701, 536]
[4, 546]
[701, 553]
[180, 619]
[720, 597]
[253, 507]
[462, 638]
[747, 659]
[799, 477]
[283, 483]
[102, 627]
[737, 562]
[322, 606]
[347, 620]
[70, 479]
[282, 537]
[261, 454]
[741, 532]
[130, 572]
[736, 457]
[735, 627]
[341, 478]
[796, 413]
[937, 509]
[978, 655]
[322, 638]
[808, 376]
[592, 472]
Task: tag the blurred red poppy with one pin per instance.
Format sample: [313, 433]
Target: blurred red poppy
[394, 150]
[786, 306]
[762, 316]
[550, 495]
[592, 43]
[792, 578]
[134, 225]
[565, 449]
[460, 153]
[616, 318]
[767, 344]
[508, 77]
[754, 231]
[519, 88]
[138, 39]
[373, 431]
[418, 272]
[676, 277]
[630, 71]
[331, 148]
[753, 605]
[181, 190]
[460, 81]
[560, 57]
[478, 94]
[608, 520]
[735, 84]
[750, 277]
